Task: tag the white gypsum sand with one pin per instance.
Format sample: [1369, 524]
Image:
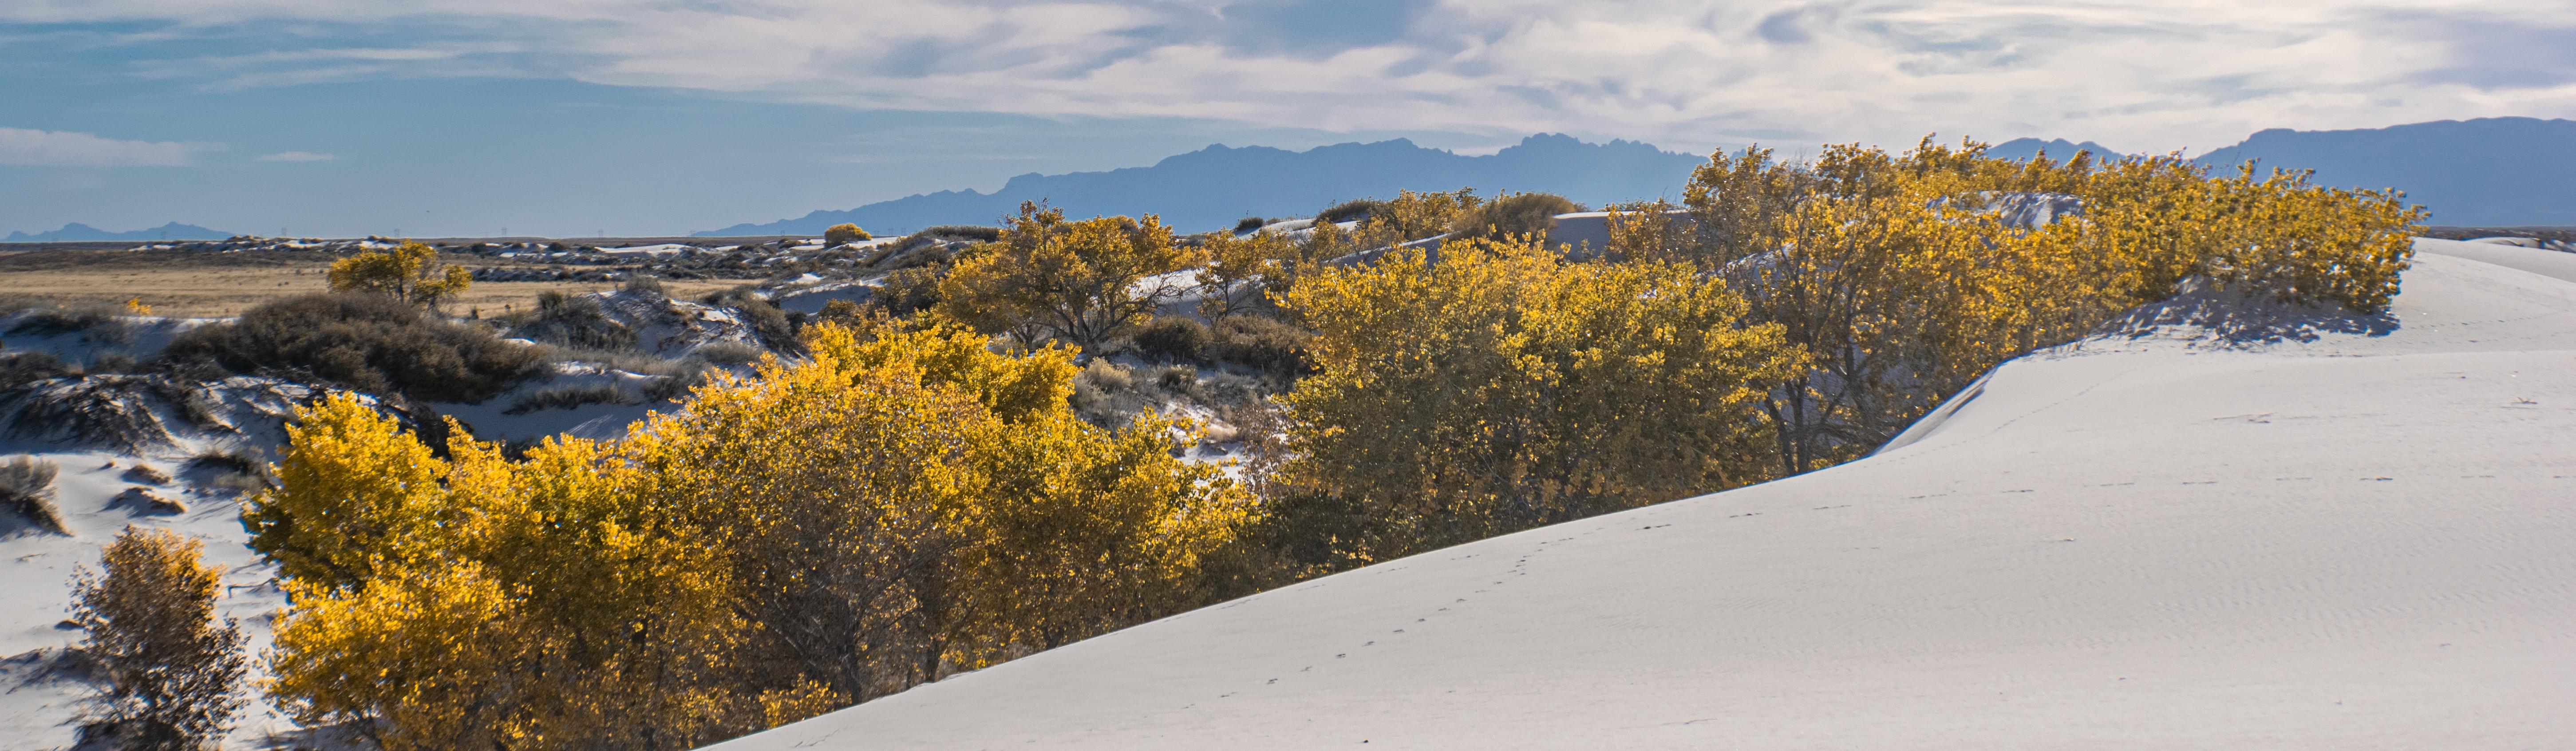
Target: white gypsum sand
[2149, 540]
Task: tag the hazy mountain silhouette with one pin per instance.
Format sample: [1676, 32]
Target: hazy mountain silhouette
[2492, 172]
[78, 232]
[2058, 149]
[1215, 186]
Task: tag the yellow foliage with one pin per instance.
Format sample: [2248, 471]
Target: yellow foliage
[1080, 282]
[1413, 216]
[409, 272]
[135, 305]
[843, 234]
[903, 503]
[1504, 388]
[1896, 273]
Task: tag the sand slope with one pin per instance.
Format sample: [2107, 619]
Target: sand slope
[2359, 535]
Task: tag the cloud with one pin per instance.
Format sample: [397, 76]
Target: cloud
[2141, 75]
[61, 148]
[296, 156]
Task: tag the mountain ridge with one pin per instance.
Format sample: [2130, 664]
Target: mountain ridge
[1207, 188]
[78, 232]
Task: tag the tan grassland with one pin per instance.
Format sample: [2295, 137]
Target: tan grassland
[200, 284]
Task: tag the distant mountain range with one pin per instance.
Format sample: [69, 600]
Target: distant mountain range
[2059, 149]
[1215, 186]
[78, 232]
[2491, 172]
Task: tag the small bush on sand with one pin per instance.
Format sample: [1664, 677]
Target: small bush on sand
[1517, 214]
[372, 343]
[763, 316]
[574, 321]
[843, 234]
[172, 671]
[27, 489]
[1351, 210]
[728, 352]
[148, 474]
[235, 468]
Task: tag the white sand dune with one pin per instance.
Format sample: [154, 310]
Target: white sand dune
[2361, 535]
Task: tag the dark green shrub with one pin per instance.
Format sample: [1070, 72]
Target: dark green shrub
[367, 342]
[98, 322]
[1248, 224]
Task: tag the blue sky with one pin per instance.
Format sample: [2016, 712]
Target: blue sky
[652, 116]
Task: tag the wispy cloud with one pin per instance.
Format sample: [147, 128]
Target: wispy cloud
[2136, 74]
[296, 156]
[57, 148]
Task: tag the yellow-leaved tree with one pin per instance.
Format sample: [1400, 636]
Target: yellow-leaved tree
[1080, 282]
[409, 272]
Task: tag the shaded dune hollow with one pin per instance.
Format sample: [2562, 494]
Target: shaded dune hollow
[2188, 532]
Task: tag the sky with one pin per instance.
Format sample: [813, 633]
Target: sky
[637, 117]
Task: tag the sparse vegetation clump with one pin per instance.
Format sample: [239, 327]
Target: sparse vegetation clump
[171, 670]
[569, 397]
[574, 321]
[27, 490]
[21, 368]
[372, 343]
[99, 323]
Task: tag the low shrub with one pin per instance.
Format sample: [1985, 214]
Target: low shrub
[1172, 338]
[728, 352]
[1248, 224]
[843, 234]
[677, 385]
[21, 368]
[641, 282]
[764, 317]
[98, 322]
[108, 411]
[367, 342]
[234, 468]
[574, 321]
[569, 397]
[1517, 214]
[1351, 210]
[963, 232]
[27, 489]
[148, 474]
[1266, 344]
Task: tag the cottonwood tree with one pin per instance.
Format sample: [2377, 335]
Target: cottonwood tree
[1081, 282]
[409, 272]
[172, 670]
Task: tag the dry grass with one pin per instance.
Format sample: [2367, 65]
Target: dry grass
[213, 285]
